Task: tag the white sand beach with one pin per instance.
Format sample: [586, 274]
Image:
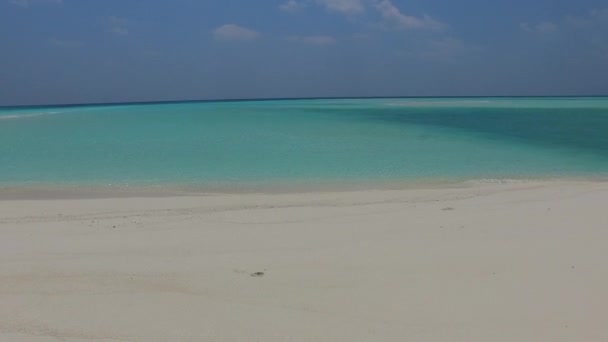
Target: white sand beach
[485, 262]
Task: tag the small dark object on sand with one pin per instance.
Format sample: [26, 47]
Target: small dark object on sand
[257, 274]
[448, 209]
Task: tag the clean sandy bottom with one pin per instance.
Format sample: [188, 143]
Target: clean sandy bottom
[503, 262]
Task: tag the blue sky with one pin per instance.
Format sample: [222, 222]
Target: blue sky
[76, 51]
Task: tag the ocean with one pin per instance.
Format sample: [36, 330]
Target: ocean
[356, 141]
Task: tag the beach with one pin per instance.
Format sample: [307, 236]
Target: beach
[512, 261]
[303, 171]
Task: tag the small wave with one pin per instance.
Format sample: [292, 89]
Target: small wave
[25, 116]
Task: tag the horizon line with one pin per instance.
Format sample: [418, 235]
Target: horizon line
[126, 103]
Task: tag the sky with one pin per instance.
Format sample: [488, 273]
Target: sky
[96, 51]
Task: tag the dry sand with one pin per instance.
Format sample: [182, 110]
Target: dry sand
[493, 262]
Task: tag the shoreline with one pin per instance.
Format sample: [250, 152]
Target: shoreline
[50, 191]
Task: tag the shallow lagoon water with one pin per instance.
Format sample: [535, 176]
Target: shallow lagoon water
[305, 141]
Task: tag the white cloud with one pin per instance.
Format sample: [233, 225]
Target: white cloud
[586, 32]
[348, 7]
[292, 6]
[595, 18]
[118, 25]
[22, 3]
[591, 28]
[235, 32]
[544, 27]
[390, 14]
[393, 16]
[314, 40]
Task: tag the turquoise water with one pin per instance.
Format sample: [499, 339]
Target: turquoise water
[353, 140]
